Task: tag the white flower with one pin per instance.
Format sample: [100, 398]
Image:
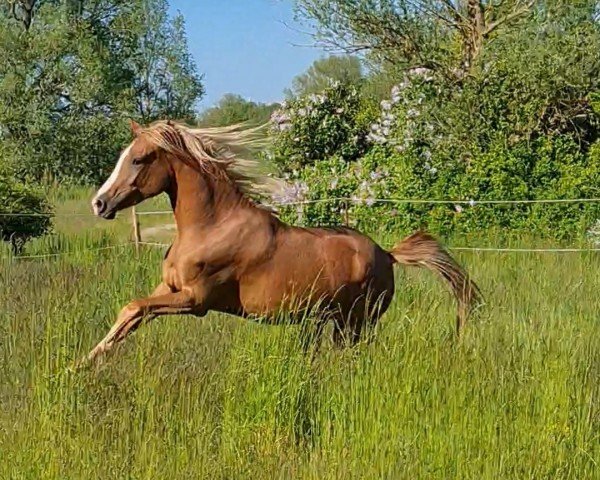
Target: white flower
[472, 203]
[333, 184]
[412, 112]
[386, 105]
[375, 137]
[293, 193]
[458, 208]
[594, 233]
[339, 110]
[424, 73]
[302, 112]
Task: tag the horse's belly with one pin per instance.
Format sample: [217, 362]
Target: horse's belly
[281, 291]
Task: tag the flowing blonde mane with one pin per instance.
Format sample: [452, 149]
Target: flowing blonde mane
[232, 149]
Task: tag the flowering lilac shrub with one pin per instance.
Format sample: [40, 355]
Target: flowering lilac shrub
[421, 144]
[318, 126]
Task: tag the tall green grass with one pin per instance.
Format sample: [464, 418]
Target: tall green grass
[223, 398]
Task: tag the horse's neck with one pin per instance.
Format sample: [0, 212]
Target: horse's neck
[199, 200]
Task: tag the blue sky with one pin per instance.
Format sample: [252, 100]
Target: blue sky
[245, 47]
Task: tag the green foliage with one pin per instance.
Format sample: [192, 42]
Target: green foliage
[233, 109]
[71, 78]
[445, 36]
[16, 197]
[550, 168]
[165, 80]
[325, 72]
[467, 118]
[316, 127]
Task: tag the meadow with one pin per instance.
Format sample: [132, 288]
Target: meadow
[223, 398]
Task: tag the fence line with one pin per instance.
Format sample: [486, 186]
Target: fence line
[139, 241]
[355, 201]
[470, 249]
[524, 250]
[59, 254]
[459, 249]
[399, 201]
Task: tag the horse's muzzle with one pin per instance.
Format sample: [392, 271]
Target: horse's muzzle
[102, 208]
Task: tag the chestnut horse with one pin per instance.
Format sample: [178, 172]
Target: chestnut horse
[232, 254]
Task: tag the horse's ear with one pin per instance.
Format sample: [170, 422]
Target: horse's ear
[135, 127]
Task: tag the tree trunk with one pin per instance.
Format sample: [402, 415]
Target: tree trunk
[473, 34]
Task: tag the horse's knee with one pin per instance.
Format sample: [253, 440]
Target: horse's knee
[131, 310]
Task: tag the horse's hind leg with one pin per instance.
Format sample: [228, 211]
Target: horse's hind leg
[311, 334]
[349, 327]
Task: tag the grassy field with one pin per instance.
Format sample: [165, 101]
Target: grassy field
[222, 398]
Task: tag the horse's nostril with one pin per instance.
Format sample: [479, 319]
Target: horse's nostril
[99, 205]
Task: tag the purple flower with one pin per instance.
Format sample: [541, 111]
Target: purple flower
[296, 192]
[281, 120]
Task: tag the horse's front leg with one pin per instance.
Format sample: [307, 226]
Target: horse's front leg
[161, 302]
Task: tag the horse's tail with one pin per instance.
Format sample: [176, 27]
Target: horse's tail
[422, 250]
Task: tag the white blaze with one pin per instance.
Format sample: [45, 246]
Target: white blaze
[113, 177]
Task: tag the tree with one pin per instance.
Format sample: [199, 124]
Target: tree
[324, 72]
[165, 80]
[443, 35]
[74, 71]
[233, 109]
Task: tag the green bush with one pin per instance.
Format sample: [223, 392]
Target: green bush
[548, 168]
[431, 141]
[315, 127]
[17, 197]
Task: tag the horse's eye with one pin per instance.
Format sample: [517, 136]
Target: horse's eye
[137, 161]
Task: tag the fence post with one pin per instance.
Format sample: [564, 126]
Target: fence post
[137, 237]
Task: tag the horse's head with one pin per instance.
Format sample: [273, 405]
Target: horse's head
[142, 171]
